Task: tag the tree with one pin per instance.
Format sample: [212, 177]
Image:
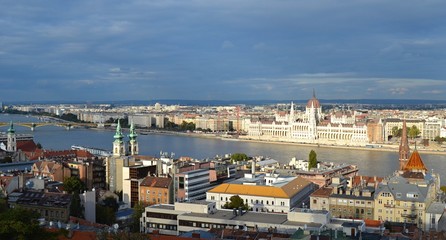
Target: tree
[235, 202]
[397, 132]
[235, 157]
[105, 215]
[414, 132]
[187, 126]
[121, 235]
[6, 159]
[73, 185]
[106, 209]
[19, 223]
[138, 210]
[76, 209]
[69, 117]
[312, 160]
[439, 139]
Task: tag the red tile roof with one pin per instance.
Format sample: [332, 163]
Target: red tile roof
[415, 163]
[27, 145]
[158, 182]
[322, 192]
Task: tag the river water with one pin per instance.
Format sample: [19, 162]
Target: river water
[379, 163]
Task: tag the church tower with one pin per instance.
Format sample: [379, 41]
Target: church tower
[404, 150]
[291, 117]
[118, 144]
[12, 140]
[133, 144]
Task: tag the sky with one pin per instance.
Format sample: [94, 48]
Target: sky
[99, 50]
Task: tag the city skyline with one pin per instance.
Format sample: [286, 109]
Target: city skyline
[222, 50]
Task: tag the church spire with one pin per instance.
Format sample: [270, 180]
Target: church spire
[314, 93]
[118, 135]
[11, 139]
[404, 150]
[118, 144]
[11, 128]
[292, 112]
[133, 144]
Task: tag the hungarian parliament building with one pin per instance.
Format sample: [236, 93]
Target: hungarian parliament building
[312, 127]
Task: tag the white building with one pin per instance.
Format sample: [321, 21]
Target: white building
[270, 194]
[203, 215]
[310, 128]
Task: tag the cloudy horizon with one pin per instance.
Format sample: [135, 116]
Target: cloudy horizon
[222, 50]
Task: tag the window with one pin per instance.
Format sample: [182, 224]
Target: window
[314, 201]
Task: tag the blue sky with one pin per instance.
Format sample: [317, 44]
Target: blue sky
[222, 50]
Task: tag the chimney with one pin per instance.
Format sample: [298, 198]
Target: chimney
[253, 168]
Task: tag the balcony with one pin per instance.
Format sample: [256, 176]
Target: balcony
[389, 205]
[409, 215]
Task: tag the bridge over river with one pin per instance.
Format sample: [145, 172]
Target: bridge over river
[66, 125]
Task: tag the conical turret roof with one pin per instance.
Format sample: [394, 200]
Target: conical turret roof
[132, 134]
[118, 134]
[11, 128]
[415, 163]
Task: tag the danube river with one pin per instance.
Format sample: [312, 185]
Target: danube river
[380, 163]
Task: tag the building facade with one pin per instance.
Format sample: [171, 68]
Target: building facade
[311, 128]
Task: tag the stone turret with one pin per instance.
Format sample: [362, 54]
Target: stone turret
[12, 140]
[404, 150]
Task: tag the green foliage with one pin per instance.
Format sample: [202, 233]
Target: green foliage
[439, 139]
[187, 126]
[3, 205]
[6, 159]
[123, 121]
[397, 132]
[73, 185]
[19, 223]
[104, 235]
[105, 211]
[443, 188]
[105, 215]
[413, 132]
[76, 209]
[312, 160]
[235, 202]
[235, 157]
[138, 209]
[111, 203]
[69, 117]
[171, 126]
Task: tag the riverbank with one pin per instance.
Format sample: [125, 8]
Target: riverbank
[381, 147]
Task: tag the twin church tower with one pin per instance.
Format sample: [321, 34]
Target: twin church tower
[119, 148]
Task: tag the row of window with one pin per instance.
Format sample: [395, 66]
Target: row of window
[161, 215]
[252, 201]
[200, 224]
[162, 226]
